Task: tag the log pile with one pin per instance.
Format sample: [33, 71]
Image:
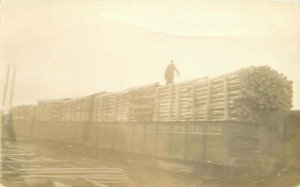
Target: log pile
[66, 110]
[99, 107]
[121, 110]
[43, 110]
[141, 103]
[175, 102]
[58, 109]
[261, 90]
[24, 112]
[78, 109]
[244, 95]
[81, 109]
[111, 107]
[53, 110]
[212, 97]
[129, 105]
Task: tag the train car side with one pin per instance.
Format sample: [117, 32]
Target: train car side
[225, 143]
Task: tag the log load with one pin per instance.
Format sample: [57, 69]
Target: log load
[135, 104]
[175, 102]
[141, 102]
[43, 110]
[257, 91]
[81, 109]
[54, 110]
[110, 107]
[244, 95]
[23, 112]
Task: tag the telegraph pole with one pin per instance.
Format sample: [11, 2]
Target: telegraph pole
[6, 85]
[6, 104]
[12, 87]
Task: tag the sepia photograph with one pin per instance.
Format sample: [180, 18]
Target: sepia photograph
[149, 93]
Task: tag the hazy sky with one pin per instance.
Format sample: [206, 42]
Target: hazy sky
[76, 48]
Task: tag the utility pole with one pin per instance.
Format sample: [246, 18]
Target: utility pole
[1, 110]
[6, 107]
[8, 94]
[6, 85]
[12, 87]
[2, 115]
[0, 118]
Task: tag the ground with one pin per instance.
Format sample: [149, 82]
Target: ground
[138, 170]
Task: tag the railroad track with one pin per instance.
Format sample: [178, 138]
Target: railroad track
[27, 169]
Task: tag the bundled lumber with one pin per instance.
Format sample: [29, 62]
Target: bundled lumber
[261, 90]
[175, 102]
[141, 103]
[66, 110]
[99, 107]
[24, 112]
[57, 109]
[135, 104]
[43, 112]
[111, 107]
[244, 95]
[53, 110]
[81, 109]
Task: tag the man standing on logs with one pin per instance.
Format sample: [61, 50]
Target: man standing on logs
[169, 73]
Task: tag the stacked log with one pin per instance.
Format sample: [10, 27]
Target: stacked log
[66, 110]
[43, 112]
[99, 107]
[212, 98]
[141, 103]
[81, 109]
[23, 112]
[184, 101]
[261, 90]
[163, 102]
[53, 110]
[244, 95]
[111, 107]
[175, 102]
[187, 100]
[201, 100]
[122, 107]
[110, 102]
[19, 112]
[135, 104]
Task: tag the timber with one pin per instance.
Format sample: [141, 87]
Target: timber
[243, 95]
